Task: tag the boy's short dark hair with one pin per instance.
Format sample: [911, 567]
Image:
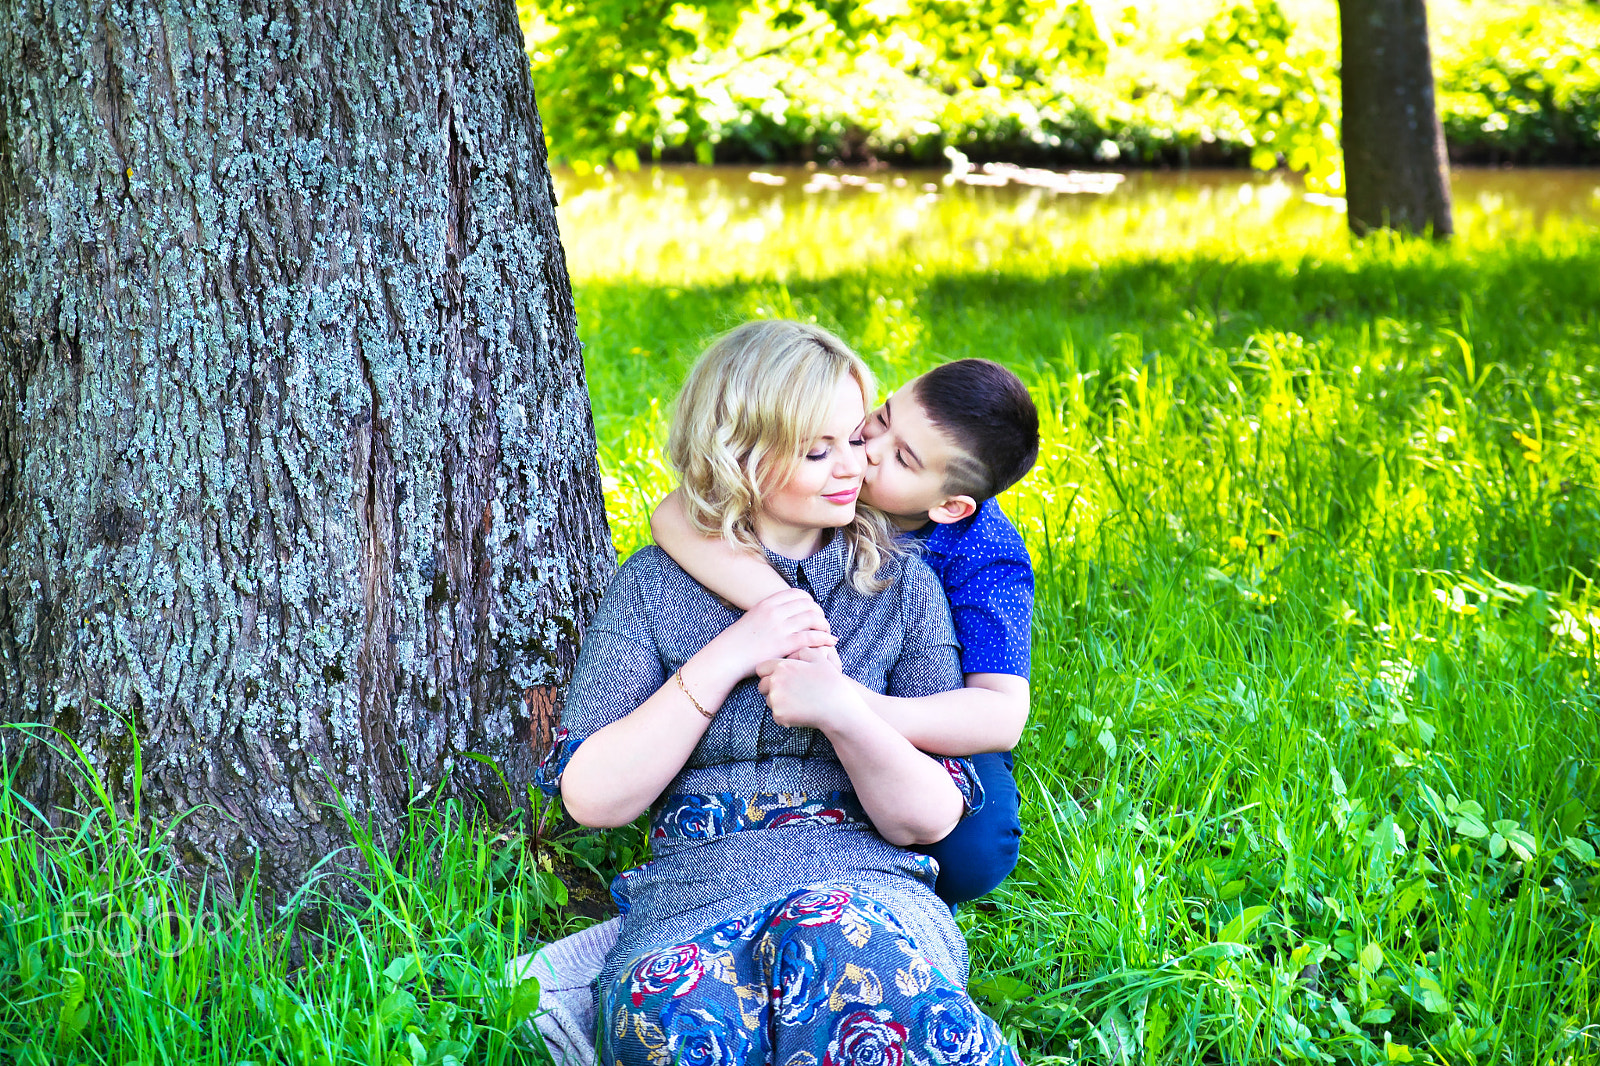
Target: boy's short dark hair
[987, 412]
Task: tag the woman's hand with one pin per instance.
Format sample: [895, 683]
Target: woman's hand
[808, 693]
[908, 795]
[782, 624]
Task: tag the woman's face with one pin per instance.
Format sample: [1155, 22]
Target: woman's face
[822, 491]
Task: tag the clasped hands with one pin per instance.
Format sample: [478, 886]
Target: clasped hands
[786, 642]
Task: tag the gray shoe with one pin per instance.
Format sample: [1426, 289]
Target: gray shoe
[566, 971]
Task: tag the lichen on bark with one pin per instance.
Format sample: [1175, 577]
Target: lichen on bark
[297, 472]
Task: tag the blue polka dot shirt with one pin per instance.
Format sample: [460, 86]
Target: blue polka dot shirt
[988, 577]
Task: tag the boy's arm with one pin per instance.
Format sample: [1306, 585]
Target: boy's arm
[742, 578]
[987, 715]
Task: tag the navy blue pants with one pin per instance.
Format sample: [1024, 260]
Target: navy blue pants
[982, 850]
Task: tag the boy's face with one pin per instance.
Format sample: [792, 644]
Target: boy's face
[907, 456]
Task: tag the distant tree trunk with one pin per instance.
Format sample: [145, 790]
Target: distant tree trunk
[297, 466]
[1396, 171]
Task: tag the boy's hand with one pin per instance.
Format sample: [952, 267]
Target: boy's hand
[827, 656]
[780, 625]
[810, 694]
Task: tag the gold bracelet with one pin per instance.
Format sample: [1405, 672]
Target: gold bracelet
[708, 715]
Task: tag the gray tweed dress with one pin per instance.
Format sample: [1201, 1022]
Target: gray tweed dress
[763, 816]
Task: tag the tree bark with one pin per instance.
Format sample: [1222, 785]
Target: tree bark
[1396, 171]
[297, 467]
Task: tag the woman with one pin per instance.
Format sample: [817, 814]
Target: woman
[777, 920]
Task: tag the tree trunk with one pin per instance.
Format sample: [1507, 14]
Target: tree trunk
[1396, 171]
[297, 467]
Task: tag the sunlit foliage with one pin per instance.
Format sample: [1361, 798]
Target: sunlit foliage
[1040, 81]
[616, 76]
[1525, 86]
[1251, 66]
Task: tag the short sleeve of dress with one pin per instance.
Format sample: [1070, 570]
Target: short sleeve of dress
[619, 667]
[930, 661]
[930, 658]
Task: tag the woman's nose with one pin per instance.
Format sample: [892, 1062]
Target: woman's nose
[852, 461]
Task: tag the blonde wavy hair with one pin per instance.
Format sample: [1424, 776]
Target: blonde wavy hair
[750, 408]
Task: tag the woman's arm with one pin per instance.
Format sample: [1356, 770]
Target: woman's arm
[741, 577]
[910, 797]
[617, 772]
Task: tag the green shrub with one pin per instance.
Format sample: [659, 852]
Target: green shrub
[1524, 90]
[1024, 81]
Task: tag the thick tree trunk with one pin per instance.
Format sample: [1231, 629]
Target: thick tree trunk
[297, 468]
[1396, 171]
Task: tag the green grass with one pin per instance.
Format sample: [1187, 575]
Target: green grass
[1316, 528]
[1312, 768]
[107, 956]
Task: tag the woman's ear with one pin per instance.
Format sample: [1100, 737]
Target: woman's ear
[953, 509]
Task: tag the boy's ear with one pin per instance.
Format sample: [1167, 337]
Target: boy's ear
[952, 509]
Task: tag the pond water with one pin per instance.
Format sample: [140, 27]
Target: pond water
[702, 223]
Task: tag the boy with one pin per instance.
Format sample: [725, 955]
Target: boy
[938, 451]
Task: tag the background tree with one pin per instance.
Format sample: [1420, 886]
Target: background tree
[1396, 171]
[297, 473]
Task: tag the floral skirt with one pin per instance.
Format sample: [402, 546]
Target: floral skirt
[823, 977]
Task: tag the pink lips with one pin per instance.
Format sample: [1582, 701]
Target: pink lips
[847, 496]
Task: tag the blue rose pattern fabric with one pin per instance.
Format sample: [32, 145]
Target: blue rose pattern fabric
[823, 977]
[707, 816]
[695, 816]
[689, 816]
